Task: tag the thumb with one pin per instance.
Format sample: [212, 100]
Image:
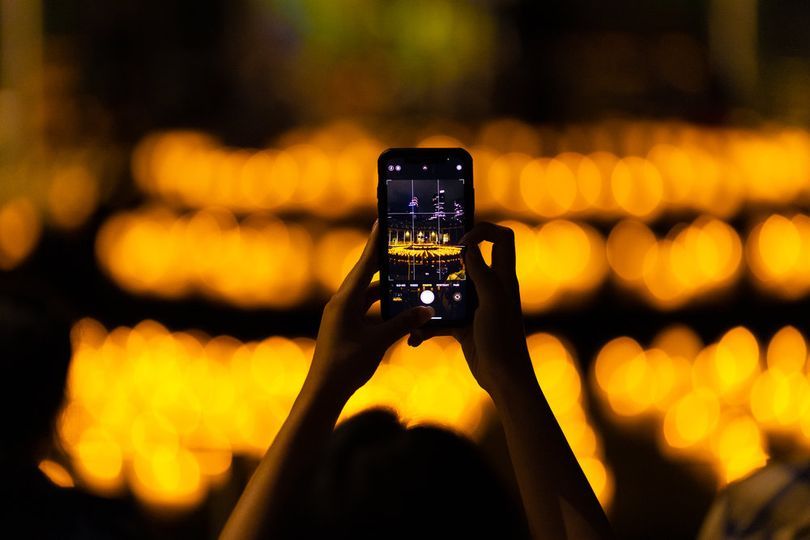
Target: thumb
[474, 262]
[393, 329]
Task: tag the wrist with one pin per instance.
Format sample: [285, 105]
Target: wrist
[518, 377]
[325, 392]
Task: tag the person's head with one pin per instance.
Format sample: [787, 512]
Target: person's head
[380, 479]
[34, 359]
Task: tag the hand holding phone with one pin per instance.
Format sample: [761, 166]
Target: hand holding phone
[425, 205]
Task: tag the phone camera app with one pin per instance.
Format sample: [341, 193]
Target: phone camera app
[425, 261]
[427, 297]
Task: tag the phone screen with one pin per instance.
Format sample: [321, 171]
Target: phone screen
[426, 213]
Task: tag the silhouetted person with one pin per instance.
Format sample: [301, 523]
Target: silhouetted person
[773, 502]
[360, 502]
[34, 357]
[379, 479]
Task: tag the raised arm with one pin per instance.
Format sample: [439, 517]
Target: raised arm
[558, 501]
[347, 352]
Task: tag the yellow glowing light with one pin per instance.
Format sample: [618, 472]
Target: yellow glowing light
[605, 163]
[590, 184]
[787, 350]
[778, 399]
[558, 257]
[637, 186]
[72, 196]
[548, 187]
[718, 250]
[611, 357]
[439, 141]
[260, 180]
[171, 409]
[735, 363]
[692, 261]
[556, 372]
[677, 171]
[661, 283]
[705, 407]
[739, 448]
[580, 436]
[168, 478]
[150, 431]
[213, 462]
[627, 247]
[98, 460]
[536, 292]
[564, 251]
[337, 252]
[56, 473]
[503, 180]
[668, 379]
[260, 261]
[597, 476]
[691, 419]
[510, 135]
[780, 245]
[779, 254]
[20, 229]
[483, 157]
[314, 170]
[679, 341]
[328, 170]
[630, 390]
[156, 251]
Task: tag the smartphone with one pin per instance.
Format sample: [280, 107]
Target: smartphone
[425, 202]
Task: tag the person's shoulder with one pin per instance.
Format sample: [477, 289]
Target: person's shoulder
[773, 498]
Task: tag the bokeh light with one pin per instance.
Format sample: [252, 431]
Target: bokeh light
[163, 413]
[329, 171]
[778, 254]
[260, 261]
[717, 403]
[20, 227]
[692, 261]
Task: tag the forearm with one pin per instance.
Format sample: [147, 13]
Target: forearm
[546, 468]
[261, 509]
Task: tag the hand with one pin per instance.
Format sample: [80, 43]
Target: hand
[495, 343]
[350, 346]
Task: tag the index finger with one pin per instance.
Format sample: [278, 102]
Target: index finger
[503, 246]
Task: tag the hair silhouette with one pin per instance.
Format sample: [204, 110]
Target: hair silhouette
[380, 479]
